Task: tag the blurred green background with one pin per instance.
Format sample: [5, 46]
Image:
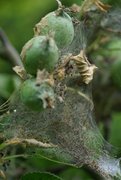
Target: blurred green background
[17, 19]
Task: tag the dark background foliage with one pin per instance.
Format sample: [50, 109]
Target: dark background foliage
[17, 19]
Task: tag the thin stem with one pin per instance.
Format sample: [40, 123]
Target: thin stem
[15, 156]
[59, 4]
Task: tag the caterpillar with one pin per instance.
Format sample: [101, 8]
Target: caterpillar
[86, 69]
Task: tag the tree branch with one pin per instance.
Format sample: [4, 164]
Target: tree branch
[7, 50]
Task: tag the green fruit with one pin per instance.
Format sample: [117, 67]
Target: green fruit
[41, 53]
[116, 73]
[112, 49]
[8, 83]
[34, 96]
[61, 25]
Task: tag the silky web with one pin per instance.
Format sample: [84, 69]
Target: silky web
[70, 127]
[112, 18]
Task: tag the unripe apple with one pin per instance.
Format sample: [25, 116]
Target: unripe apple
[59, 23]
[41, 53]
[36, 97]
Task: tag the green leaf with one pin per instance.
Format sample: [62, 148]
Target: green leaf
[40, 176]
[75, 174]
[39, 162]
[8, 83]
[115, 129]
[116, 3]
[116, 73]
[55, 155]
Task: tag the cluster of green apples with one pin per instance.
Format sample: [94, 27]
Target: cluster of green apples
[54, 32]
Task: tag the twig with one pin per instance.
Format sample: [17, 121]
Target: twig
[7, 50]
[29, 142]
[112, 30]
